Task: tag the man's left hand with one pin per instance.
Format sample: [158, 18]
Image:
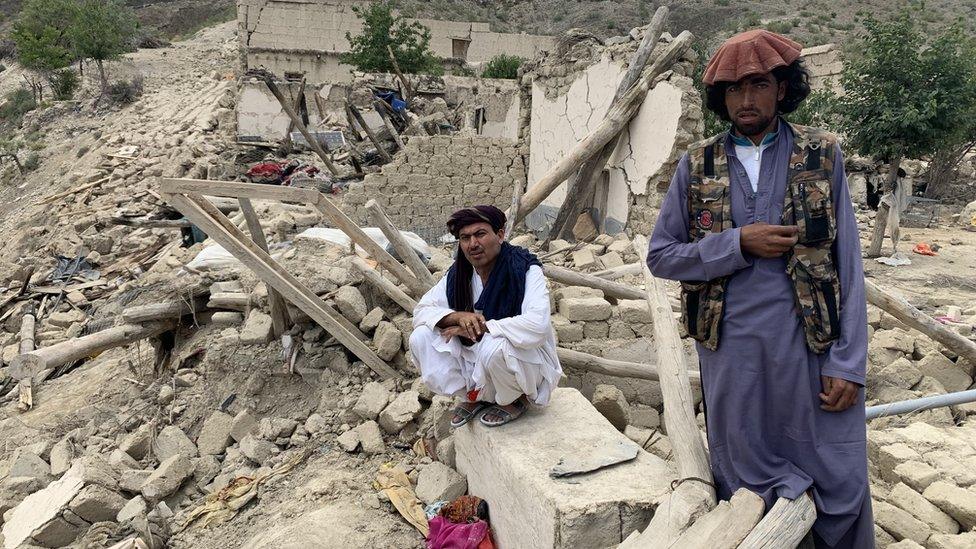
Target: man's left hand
[838, 394]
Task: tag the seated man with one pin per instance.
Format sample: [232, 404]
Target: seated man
[483, 332]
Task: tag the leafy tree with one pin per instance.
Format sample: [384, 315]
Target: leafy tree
[903, 96]
[102, 30]
[382, 29]
[819, 109]
[503, 66]
[41, 36]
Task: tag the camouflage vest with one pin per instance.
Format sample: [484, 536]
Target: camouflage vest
[808, 205]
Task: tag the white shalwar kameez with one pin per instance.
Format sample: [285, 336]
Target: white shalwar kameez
[517, 356]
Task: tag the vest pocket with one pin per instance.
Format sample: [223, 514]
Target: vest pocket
[813, 208]
[708, 208]
[817, 293]
[702, 305]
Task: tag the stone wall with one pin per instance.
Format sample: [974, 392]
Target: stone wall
[825, 65]
[308, 35]
[434, 176]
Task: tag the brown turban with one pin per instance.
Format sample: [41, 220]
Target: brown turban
[751, 52]
[476, 214]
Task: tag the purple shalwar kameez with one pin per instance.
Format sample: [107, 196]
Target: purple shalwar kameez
[766, 431]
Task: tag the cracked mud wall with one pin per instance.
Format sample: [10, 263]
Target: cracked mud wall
[568, 96]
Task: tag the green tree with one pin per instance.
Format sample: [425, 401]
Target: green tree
[904, 97]
[503, 66]
[382, 29]
[41, 36]
[102, 30]
[819, 109]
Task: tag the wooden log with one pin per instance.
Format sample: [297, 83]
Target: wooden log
[25, 388]
[279, 312]
[581, 188]
[739, 516]
[356, 234]
[269, 81]
[29, 364]
[76, 190]
[381, 108]
[609, 287]
[299, 99]
[237, 190]
[785, 525]
[148, 223]
[513, 209]
[406, 252]
[617, 272]
[407, 88]
[227, 300]
[618, 368]
[208, 218]
[678, 511]
[369, 132]
[904, 311]
[384, 285]
[170, 309]
[615, 121]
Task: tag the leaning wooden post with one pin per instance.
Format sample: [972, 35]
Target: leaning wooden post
[581, 188]
[384, 285]
[25, 388]
[695, 493]
[615, 121]
[785, 525]
[297, 107]
[369, 132]
[617, 368]
[381, 109]
[298, 123]
[904, 311]
[406, 252]
[279, 310]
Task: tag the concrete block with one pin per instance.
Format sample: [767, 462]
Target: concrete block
[584, 259]
[96, 504]
[610, 402]
[585, 308]
[905, 544]
[901, 373]
[387, 340]
[214, 436]
[611, 260]
[227, 318]
[958, 503]
[916, 474]
[529, 509]
[895, 339]
[438, 482]
[404, 408]
[904, 497]
[167, 478]
[172, 441]
[966, 540]
[635, 311]
[257, 328]
[351, 303]
[891, 455]
[244, 424]
[566, 331]
[900, 523]
[951, 377]
[41, 508]
[372, 400]
[575, 292]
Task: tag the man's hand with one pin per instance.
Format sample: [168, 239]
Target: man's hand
[765, 240]
[470, 325]
[838, 394]
[451, 331]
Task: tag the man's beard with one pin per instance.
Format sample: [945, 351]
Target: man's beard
[753, 128]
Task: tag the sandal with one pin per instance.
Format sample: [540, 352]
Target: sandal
[505, 415]
[463, 415]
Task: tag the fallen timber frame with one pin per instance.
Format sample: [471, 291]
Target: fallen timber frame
[188, 197]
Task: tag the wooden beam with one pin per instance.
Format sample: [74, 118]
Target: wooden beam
[728, 524]
[279, 312]
[904, 311]
[785, 525]
[237, 189]
[407, 88]
[609, 287]
[218, 227]
[406, 252]
[513, 209]
[381, 108]
[623, 270]
[170, 309]
[582, 187]
[356, 234]
[25, 388]
[618, 368]
[369, 132]
[235, 301]
[384, 285]
[615, 121]
[148, 223]
[30, 364]
[269, 81]
[297, 107]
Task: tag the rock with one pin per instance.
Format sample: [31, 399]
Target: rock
[905, 544]
[121, 460]
[62, 454]
[438, 482]
[400, 412]
[257, 328]
[244, 424]
[96, 504]
[523, 240]
[257, 450]
[25, 463]
[446, 453]
[167, 478]
[93, 469]
[901, 373]
[226, 318]
[275, 428]
[370, 438]
[131, 480]
[166, 395]
[137, 443]
[645, 416]
[957, 502]
[437, 418]
[966, 540]
[929, 386]
[609, 401]
[585, 309]
[349, 441]
[214, 436]
[900, 523]
[916, 474]
[372, 319]
[172, 441]
[558, 245]
[316, 424]
[66, 319]
[935, 364]
[387, 340]
[634, 311]
[611, 260]
[133, 508]
[584, 258]
[911, 501]
[371, 402]
[895, 339]
[351, 303]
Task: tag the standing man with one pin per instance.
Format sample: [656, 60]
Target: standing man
[759, 228]
[483, 332]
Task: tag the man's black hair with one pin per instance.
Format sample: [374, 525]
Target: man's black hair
[797, 80]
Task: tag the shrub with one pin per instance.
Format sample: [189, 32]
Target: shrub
[31, 162]
[64, 83]
[503, 66]
[16, 104]
[780, 27]
[123, 92]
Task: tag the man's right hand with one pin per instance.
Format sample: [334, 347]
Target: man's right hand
[470, 325]
[765, 240]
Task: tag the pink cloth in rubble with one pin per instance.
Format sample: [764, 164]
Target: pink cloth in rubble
[445, 534]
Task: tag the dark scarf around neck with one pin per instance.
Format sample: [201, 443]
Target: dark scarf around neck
[505, 289]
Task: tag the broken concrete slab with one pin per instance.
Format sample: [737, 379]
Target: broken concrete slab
[244, 424]
[438, 482]
[173, 441]
[214, 436]
[96, 504]
[41, 508]
[404, 408]
[257, 328]
[372, 400]
[167, 478]
[529, 508]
